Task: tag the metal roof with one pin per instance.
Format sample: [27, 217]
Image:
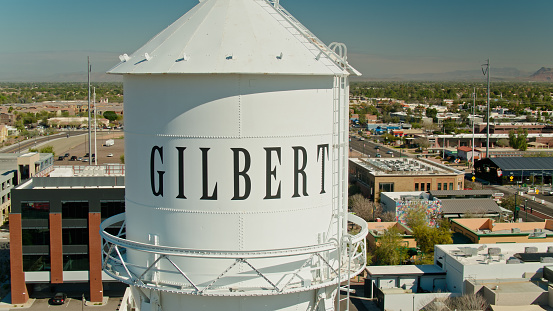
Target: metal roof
[524, 163]
[236, 36]
[462, 206]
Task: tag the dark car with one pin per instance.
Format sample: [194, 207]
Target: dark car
[60, 158]
[73, 158]
[66, 155]
[59, 299]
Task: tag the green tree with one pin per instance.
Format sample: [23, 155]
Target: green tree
[45, 149]
[110, 115]
[503, 142]
[425, 235]
[431, 113]
[391, 249]
[518, 140]
[122, 159]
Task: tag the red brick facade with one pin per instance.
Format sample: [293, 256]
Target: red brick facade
[95, 257]
[19, 292]
[56, 249]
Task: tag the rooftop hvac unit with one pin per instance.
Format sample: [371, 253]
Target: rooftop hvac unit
[539, 235]
[538, 230]
[550, 249]
[548, 273]
[469, 251]
[512, 261]
[494, 251]
[546, 259]
[515, 230]
[531, 249]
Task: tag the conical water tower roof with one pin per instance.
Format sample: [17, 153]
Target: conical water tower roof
[234, 36]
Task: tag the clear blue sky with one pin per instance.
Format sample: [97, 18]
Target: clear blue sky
[40, 39]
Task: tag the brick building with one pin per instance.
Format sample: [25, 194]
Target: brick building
[54, 228]
[401, 175]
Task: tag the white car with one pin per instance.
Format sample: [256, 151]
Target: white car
[110, 155]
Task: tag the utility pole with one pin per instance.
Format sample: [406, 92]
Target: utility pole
[88, 69]
[473, 115]
[95, 146]
[486, 72]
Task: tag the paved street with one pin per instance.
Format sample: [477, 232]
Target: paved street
[42, 304]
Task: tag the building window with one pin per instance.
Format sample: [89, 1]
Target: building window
[445, 186]
[386, 187]
[416, 186]
[35, 210]
[35, 236]
[36, 263]
[427, 186]
[422, 186]
[77, 262]
[439, 186]
[75, 236]
[451, 186]
[74, 209]
[112, 208]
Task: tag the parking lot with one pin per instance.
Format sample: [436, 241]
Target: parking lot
[78, 147]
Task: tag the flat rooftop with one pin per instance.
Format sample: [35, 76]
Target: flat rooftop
[486, 226]
[77, 182]
[380, 271]
[403, 166]
[476, 254]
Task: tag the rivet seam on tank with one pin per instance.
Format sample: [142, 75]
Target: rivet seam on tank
[240, 233]
[236, 212]
[240, 106]
[227, 137]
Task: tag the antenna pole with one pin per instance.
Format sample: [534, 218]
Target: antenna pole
[473, 115]
[89, 129]
[487, 73]
[95, 127]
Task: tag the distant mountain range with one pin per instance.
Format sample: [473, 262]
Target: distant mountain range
[497, 74]
[543, 74]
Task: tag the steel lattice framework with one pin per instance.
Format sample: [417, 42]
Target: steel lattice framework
[315, 258]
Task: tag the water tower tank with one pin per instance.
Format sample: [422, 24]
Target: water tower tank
[236, 144]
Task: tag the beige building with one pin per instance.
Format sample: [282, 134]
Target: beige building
[486, 231]
[376, 175]
[3, 132]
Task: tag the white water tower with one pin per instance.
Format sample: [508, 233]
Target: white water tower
[236, 144]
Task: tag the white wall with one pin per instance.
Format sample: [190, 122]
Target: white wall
[410, 302]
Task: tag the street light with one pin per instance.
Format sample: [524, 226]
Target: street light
[526, 208]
